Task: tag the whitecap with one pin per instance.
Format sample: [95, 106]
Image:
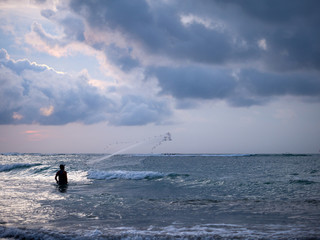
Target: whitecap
[120, 174]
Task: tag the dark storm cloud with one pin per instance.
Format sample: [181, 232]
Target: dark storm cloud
[159, 30]
[290, 29]
[32, 93]
[281, 37]
[257, 87]
[246, 88]
[275, 84]
[276, 11]
[239, 51]
[195, 82]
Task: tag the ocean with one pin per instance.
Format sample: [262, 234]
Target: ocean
[165, 196]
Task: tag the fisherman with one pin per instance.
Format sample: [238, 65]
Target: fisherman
[62, 175]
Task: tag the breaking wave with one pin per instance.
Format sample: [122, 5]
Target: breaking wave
[13, 166]
[205, 231]
[128, 175]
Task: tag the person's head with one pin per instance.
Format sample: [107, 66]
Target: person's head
[61, 166]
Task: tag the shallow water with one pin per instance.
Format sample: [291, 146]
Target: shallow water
[160, 197]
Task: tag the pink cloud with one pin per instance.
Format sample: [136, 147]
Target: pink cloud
[35, 135]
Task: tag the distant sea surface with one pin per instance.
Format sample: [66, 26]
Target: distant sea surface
[160, 196]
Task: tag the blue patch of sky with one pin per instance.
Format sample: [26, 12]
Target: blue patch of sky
[7, 42]
[74, 63]
[9, 39]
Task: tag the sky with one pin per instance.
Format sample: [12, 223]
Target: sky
[231, 76]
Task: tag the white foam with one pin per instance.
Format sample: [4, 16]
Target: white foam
[120, 174]
[214, 231]
[175, 231]
[93, 233]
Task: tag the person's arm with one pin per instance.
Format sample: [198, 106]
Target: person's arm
[56, 177]
[66, 177]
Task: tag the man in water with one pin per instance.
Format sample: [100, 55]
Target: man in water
[62, 175]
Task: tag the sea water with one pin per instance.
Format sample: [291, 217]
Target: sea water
[160, 197]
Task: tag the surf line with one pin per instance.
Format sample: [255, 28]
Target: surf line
[163, 138]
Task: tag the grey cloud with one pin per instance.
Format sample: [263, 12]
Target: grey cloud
[290, 29]
[256, 87]
[10, 94]
[31, 93]
[48, 98]
[121, 57]
[195, 82]
[73, 27]
[288, 59]
[159, 30]
[114, 14]
[138, 110]
[40, 1]
[275, 84]
[47, 13]
[3, 55]
[275, 11]
[20, 65]
[249, 87]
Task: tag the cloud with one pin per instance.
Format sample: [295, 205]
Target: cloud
[290, 29]
[195, 82]
[242, 52]
[137, 110]
[121, 57]
[33, 93]
[47, 111]
[256, 87]
[275, 84]
[274, 45]
[262, 43]
[246, 88]
[35, 135]
[158, 29]
[214, 32]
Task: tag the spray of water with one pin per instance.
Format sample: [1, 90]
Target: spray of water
[156, 141]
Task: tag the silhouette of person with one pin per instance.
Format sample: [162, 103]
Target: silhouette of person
[62, 175]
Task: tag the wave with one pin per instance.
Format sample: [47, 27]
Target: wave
[260, 155]
[302, 182]
[13, 166]
[223, 155]
[204, 231]
[17, 233]
[281, 155]
[190, 155]
[128, 175]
